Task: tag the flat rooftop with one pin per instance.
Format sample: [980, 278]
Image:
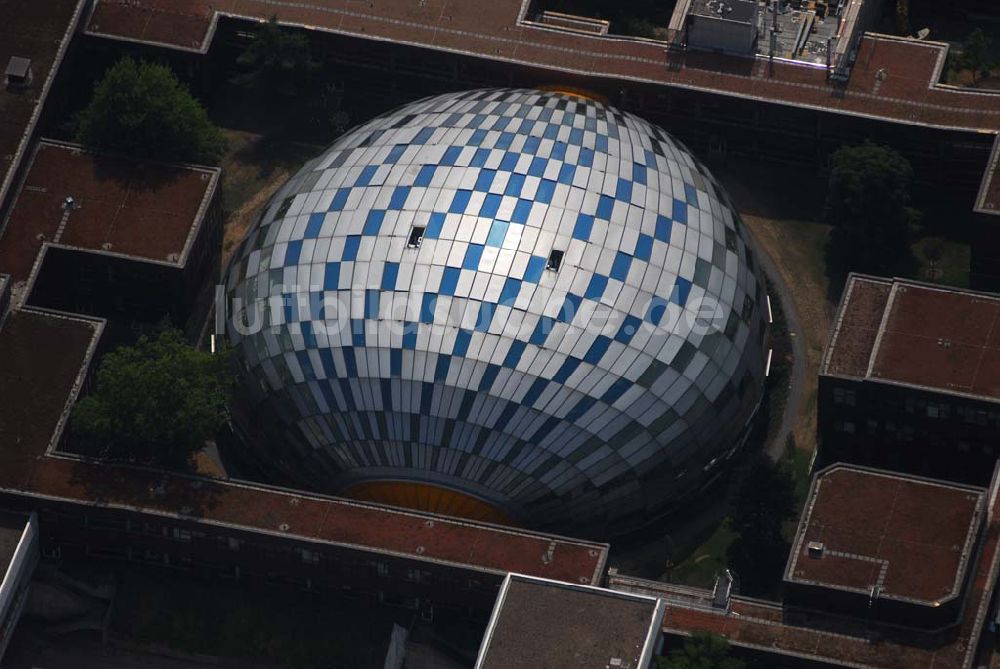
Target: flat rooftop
[752, 623]
[802, 35]
[541, 623]
[907, 90]
[139, 209]
[893, 79]
[12, 526]
[740, 11]
[43, 358]
[182, 24]
[912, 539]
[40, 32]
[915, 334]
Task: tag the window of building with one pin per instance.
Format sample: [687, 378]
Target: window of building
[847, 427]
[106, 523]
[416, 236]
[310, 557]
[555, 261]
[181, 534]
[843, 396]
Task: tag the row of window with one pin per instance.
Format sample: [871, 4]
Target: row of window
[928, 408]
[307, 556]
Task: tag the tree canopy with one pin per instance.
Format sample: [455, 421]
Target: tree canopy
[141, 110]
[867, 202]
[764, 500]
[277, 62]
[155, 402]
[976, 54]
[702, 651]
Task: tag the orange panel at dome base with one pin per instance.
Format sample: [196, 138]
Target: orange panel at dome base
[574, 91]
[427, 497]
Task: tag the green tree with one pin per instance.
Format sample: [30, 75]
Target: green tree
[763, 501]
[155, 402]
[867, 202]
[702, 650]
[278, 62]
[976, 54]
[141, 110]
[903, 17]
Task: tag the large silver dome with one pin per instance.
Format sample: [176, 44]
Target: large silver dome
[529, 297]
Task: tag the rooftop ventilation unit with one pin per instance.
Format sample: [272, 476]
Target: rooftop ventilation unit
[18, 72]
[815, 549]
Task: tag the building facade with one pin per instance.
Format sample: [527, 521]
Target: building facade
[137, 243]
[530, 298]
[911, 380]
[19, 554]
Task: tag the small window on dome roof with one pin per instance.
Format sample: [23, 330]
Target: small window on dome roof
[555, 260]
[416, 236]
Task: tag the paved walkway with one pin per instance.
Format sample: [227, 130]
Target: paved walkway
[778, 440]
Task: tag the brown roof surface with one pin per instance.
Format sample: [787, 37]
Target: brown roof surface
[910, 537]
[553, 625]
[123, 206]
[35, 30]
[756, 624]
[179, 23]
[41, 357]
[893, 78]
[907, 92]
[989, 190]
[940, 338]
[900, 331]
[857, 326]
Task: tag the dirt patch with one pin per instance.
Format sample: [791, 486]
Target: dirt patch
[781, 207]
[254, 167]
[240, 220]
[796, 247]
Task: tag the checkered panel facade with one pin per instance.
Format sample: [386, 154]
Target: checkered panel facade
[494, 291]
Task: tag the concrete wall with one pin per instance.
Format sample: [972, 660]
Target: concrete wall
[713, 34]
[73, 530]
[907, 430]
[14, 587]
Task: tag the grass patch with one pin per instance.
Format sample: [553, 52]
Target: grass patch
[798, 463]
[705, 562]
[267, 625]
[252, 161]
[254, 167]
[943, 261]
